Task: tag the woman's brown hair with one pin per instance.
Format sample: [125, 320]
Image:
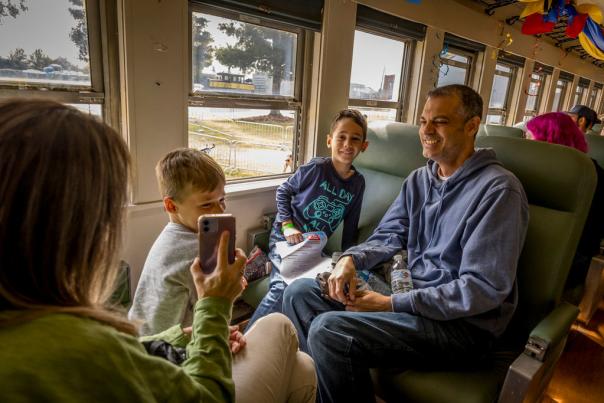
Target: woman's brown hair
[63, 191]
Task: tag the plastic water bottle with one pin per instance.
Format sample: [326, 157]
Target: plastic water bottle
[400, 276]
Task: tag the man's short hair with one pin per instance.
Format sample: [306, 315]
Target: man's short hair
[356, 116]
[186, 169]
[582, 111]
[471, 101]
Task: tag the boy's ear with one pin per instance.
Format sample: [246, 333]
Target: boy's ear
[169, 205]
[329, 141]
[364, 146]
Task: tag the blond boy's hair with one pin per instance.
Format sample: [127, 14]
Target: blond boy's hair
[186, 169]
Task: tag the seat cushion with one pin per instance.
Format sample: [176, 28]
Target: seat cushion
[477, 385]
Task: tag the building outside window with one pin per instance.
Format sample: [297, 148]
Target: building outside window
[246, 84]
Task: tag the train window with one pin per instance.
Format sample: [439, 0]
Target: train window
[559, 94]
[593, 95]
[241, 141]
[375, 88]
[501, 93]
[245, 94]
[535, 94]
[581, 91]
[455, 68]
[64, 62]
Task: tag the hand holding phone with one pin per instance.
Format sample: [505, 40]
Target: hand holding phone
[211, 227]
[225, 280]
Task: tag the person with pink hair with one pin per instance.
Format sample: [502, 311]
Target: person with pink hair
[556, 128]
[559, 128]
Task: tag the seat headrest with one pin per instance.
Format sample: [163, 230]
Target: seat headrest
[538, 165]
[386, 140]
[595, 148]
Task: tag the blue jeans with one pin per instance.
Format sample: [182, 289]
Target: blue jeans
[345, 345]
[273, 300]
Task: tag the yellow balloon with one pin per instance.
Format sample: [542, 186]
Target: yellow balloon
[590, 48]
[532, 8]
[592, 10]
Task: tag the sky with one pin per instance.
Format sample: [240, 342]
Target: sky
[45, 25]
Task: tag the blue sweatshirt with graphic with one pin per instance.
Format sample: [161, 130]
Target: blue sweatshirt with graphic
[463, 235]
[316, 198]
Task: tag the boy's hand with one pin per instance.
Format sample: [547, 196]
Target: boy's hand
[343, 274]
[236, 339]
[291, 233]
[225, 280]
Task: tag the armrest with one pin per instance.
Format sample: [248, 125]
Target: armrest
[551, 330]
[531, 371]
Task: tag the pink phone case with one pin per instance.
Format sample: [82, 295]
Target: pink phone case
[211, 226]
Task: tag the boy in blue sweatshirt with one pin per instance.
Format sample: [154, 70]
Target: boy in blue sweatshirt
[317, 197]
[462, 219]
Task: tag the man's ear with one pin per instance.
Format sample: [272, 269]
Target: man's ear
[169, 205]
[329, 141]
[473, 125]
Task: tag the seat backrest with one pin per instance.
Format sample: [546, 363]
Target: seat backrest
[559, 183]
[502, 131]
[595, 145]
[394, 152]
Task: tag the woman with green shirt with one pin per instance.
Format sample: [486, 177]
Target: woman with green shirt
[63, 186]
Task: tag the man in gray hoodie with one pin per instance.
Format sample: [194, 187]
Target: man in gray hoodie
[462, 219]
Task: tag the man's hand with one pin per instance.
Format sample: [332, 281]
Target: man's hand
[291, 233]
[343, 274]
[369, 301]
[236, 339]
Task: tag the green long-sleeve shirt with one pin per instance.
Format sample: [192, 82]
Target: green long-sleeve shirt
[66, 358]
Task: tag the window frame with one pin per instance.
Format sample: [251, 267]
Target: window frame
[296, 102]
[563, 91]
[102, 51]
[469, 66]
[400, 105]
[542, 76]
[512, 75]
[580, 93]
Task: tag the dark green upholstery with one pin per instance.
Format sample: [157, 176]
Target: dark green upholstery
[502, 131]
[121, 295]
[384, 166]
[595, 145]
[557, 181]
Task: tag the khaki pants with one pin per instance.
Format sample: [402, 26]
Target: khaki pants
[271, 368]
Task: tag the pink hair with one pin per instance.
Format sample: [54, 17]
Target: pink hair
[557, 128]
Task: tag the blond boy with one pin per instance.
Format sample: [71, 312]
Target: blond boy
[191, 184]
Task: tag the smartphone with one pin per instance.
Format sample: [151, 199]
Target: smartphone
[211, 226]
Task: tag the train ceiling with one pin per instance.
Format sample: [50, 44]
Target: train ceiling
[509, 11]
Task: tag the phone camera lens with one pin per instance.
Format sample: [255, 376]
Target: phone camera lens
[206, 222]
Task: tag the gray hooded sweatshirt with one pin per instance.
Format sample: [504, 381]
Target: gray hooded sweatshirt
[463, 235]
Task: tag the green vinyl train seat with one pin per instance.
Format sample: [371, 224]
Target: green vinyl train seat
[557, 180]
[593, 291]
[502, 131]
